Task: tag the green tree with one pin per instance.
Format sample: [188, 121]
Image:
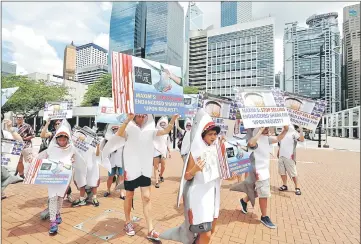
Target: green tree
[31, 96]
[101, 88]
[190, 90]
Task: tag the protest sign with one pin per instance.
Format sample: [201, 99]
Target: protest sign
[106, 113]
[221, 124]
[262, 108]
[304, 111]
[84, 139]
[142, 86]
[6, 93]
[58, 110]
[49, 172]
[218, 107]
[11, 152]
[236, 158]
[190, 105]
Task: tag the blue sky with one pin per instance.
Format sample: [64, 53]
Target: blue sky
[34, 34]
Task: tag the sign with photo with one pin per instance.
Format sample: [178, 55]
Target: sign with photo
[49, 172]
[10, 152]
[236, 158]
[190, 105]
[262, 108]
[84, 139]
[303, 111]
[218, 107]
[221, 123]
[143, 86]
[6, 94]
[106, 113]
[58, 110]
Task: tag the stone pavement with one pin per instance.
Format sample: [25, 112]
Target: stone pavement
[328, 211]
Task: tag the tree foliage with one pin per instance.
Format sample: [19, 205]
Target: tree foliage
[31, 96]
[190, 90]
[101, 88]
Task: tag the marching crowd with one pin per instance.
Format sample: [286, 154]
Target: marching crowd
[132, 169]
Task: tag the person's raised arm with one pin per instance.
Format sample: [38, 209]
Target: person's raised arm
[280, 136]
[252, 143]
[121, 130]
[44, 132]
[178, 127]
[169, 127]
[14, 134]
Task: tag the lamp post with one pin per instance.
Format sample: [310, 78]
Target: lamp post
[320, 125]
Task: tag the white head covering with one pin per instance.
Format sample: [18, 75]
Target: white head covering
[160, 142]
[188, 122]
[113, 144]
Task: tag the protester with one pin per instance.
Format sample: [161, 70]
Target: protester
[260, 178]
[86, 170]
[27, 133]
[201, 194]
[184, 142]
[139, 132]
[115, 156]
[60, 149]
[161, 151]
[287, 157]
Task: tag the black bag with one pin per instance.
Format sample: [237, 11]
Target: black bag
[179, 144]
[43, 145]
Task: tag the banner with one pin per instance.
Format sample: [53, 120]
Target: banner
[237, 159]
[84, 138]
[262, 108]
[48, 172]
[142, 86]
[58, 110]
[11, 152]
[6, 93]
[106, 113]
[218, 107]
[190, 105]
[303, 111]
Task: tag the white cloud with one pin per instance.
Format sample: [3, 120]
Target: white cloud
[31, 51]
[102, 40]
[106, 6]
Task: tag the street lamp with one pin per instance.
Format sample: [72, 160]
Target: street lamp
[320, 125]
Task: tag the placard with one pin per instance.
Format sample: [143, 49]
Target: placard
[84, 139]
[11, 152]
[106, 113]
[6, 94]
[236, 158]
[262, 108]
[190, 105]
[221, 124]
[58, 110]
[143, 86]
[49, 172]
[217, 107]
[304, 111]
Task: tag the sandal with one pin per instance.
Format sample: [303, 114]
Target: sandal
[153, 235]
[298, 191]
[283, 188]
[106, 194]
[122, 197]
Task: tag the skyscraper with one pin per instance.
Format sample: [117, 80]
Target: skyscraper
[164, 32]
[302, 50]
[127, 28]
[8, 68]
[235, 12]
[69, 68]
[351, 56]
[193, 20]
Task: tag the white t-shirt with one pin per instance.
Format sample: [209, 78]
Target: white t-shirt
[288, 144]
[262, 157]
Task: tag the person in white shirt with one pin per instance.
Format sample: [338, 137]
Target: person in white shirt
[139, 132]
[185, 141]
[161, 151]
[287, 157]
[260, 144]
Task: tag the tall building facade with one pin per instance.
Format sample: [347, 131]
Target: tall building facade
[235, 13]
[69, 68]
[302, 50]
[279, 81]
[351, 56]
[91, 73]
[164, 32]
[240, 55]
[8, 68]
[127, 29]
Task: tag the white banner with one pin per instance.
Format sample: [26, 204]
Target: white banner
[58, 110]
[10, 152]
[106, 113]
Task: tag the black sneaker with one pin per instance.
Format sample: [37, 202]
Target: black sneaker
[95, 202]
[267, 222]
[243, 206]
[78, 203]
[106, 194]
[161, 178]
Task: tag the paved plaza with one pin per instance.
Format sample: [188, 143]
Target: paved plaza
[328, 211]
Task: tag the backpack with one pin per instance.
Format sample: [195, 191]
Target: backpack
[179, 144]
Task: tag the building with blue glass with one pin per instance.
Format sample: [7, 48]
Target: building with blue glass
[235, 13]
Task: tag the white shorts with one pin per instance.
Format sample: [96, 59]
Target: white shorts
[288, 166]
